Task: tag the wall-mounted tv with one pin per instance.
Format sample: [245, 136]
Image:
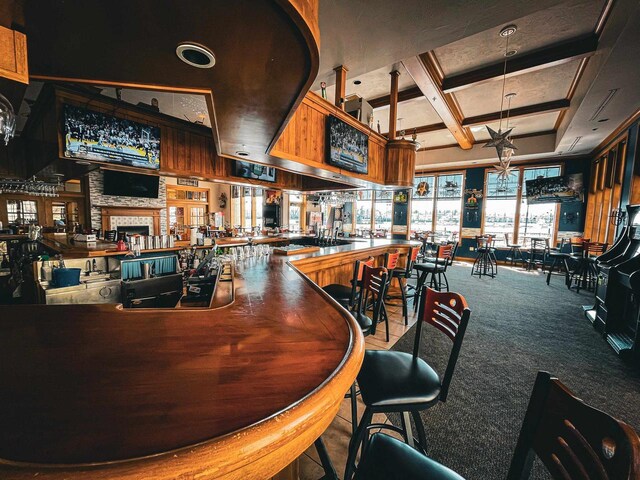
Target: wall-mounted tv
[566, 188]
[100, 137]
[125, 184]
[254, 171]
[348, 147]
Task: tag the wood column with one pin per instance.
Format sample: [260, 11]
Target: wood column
[341, 84]
[393, 104]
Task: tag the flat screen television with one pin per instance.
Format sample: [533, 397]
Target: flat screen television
[125, 184]
[565, 188]
[100, 137]
[348, 147]
[254, 171]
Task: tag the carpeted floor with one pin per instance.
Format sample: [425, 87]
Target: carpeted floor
[518, 326]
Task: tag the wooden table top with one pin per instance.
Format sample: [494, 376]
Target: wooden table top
[181, 391]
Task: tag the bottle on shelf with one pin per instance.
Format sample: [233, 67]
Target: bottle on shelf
[5, 261]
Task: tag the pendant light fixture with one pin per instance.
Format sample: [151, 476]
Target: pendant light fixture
[500, 139]
[7, 120]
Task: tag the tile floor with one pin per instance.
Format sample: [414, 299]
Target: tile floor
[336, 437]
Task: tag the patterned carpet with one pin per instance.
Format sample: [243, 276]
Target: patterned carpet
[518, 326]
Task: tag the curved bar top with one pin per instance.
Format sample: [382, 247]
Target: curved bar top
[233, 392]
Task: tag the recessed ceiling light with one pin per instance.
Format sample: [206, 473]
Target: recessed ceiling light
[594, 129]
[510, 53]
[242, 153]
[195, 55]
[357, 82]
[508, 31]
[603, 120]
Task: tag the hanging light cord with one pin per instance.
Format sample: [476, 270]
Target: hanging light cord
[504, 81]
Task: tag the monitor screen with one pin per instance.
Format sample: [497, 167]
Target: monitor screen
[254, 171]
[566, 188]
[348, 147]
[100, 137]
[125, 184]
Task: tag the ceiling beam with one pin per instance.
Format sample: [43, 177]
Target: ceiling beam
[434, 127]
[546, 107]
[403, 96]
[428, 77]
[544, 58]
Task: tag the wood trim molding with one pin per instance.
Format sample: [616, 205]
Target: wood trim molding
[613, 136]
[546, 107]
[403, 96]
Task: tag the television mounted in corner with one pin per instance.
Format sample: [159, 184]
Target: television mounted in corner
[347, 147]
[91, 135]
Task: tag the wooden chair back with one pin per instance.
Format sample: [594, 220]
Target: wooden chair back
[449, 313]
[577, 243]
[444, 255]
[593, 249]
[358, 272]
[373, 290]
[572, 439]
[484, 241]
[391, 260]
[539, 244]
[412, 257]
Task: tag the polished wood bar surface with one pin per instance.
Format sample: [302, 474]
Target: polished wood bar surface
[95, 391]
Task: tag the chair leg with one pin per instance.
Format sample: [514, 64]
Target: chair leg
[416, 296]
[408, 431]
[355, 442]
[422, 437]
[325, 460]
[446, 280]
[555, 260]
[403, 292]
[354, 408]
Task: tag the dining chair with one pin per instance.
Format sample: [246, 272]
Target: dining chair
[403, 383]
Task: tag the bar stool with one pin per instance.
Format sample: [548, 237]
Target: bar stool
[538, 252]
[437, 270]
[585, 273]
[346, 295]
[398, 382]
[403, 274]
[515, 253]
[485, 263]
[560, 260]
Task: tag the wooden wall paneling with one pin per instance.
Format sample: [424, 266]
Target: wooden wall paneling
[595, 168]
[13, 55]
[620, 164]
[611, 167]
[602, 172]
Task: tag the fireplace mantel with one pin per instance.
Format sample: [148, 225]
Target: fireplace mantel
[108, 212]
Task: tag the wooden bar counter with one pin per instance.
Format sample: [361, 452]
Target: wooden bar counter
[236, 392]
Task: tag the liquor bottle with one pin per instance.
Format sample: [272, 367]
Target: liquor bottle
[5, 261]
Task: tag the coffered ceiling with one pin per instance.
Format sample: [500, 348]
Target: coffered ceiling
[561, 50]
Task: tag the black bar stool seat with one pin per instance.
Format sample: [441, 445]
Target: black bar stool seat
[364, 321]
[387, 458]
[398, 380]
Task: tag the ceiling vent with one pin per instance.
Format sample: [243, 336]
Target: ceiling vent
[573, 145]
[603, 104]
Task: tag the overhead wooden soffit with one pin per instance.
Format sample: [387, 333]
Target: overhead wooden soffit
[544, 58]
[403, 96]
[546, 107]
[428, 77]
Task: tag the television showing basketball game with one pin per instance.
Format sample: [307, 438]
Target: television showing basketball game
[348, 146]
[100, 137]
[566, 188]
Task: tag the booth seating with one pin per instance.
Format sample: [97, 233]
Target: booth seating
[573, 441]
[346, 295]
[403, 383]
[485, 262]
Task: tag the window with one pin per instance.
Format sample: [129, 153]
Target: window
[198, 216]
[246, 201]
[363, 206]
[383, 210]
[448, 203]
[500, 208]
[538, 220]
[258, 199]
[295, 212]
[59, 213]
[236, 208]
[422, 204]
[22, 211]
